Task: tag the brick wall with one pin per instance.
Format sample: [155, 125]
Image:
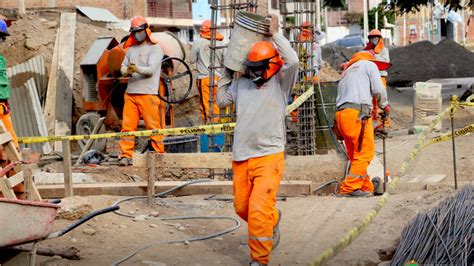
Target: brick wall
[170, 9]
[121, 8]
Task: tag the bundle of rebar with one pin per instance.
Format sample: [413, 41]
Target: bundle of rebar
[442, 236]
[302, 12]
[228, 10]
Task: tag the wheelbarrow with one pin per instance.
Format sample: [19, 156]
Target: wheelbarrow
[25, 221]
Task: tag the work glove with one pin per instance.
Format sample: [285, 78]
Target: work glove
[386, 111]
[132, 69]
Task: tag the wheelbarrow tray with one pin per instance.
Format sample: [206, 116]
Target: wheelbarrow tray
[23, 221]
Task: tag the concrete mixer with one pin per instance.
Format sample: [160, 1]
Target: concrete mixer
[104, 87]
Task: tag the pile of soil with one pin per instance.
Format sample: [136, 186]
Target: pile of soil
[422, 61]
[328, 73]
[335, 55]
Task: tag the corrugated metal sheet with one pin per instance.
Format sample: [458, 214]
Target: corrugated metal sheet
[97, 14]
[33, 68]
[27, 115]
[97, 49]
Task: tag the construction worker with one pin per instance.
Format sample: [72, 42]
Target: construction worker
[5, 87]
[381, 53]
[359, 83]
[201, 56]
[142, 64]
[261, 96]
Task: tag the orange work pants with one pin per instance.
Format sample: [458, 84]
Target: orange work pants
[256, 183]
[350, 127]
[147, 107]
[7, 121]
[204, 90]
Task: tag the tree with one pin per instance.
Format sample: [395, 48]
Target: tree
[382, 12]
[407, 6]
[334, 3]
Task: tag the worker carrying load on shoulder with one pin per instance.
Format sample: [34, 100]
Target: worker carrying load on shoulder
[359, 83]
[142, 64]
[201, 56]
[381, 53]
[260, 96]
[5, 87]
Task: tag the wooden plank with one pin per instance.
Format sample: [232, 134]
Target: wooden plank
[14, 180]
[68, 190]
[5, 137]
[151, 178]
[6, 191]
[66, 44]
[12, 153]
[287, 189]
[212, 160]
[30, 188]
[50, 104]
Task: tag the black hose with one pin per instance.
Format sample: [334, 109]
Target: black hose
[193, 239]
[81, 221]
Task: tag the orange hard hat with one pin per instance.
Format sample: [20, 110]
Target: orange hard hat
[206, 25]
[374, 33]
[264, 53]
[306, 24]
[368, 56]
[138, 23]
[262, 50]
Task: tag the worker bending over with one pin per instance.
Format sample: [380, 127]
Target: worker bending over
[5, 87]
[260, 96]
[360, 82]
[142, 64]
[201, 56]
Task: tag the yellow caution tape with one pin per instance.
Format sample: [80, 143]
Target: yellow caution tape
[465, 104]
[460, 132]
[197, 130]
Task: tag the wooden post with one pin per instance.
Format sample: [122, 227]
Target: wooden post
[27, 173]
[21, 8]
[151, 178]
[68, 192]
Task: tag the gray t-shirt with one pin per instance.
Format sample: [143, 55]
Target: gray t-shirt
[201, 56]
[147, 56]
[261, 128]
[359, 83]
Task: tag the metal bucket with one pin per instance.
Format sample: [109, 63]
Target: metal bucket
[249, 28]
[324, 139]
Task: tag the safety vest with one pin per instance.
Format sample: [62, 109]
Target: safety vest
[4, 83]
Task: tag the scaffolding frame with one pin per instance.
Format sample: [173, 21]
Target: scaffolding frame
[230, 7]
[302, 11]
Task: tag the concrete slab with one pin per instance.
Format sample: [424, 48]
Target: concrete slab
[45, 178]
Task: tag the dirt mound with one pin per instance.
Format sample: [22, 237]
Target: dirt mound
[335, 55]
[328, 74]
[422, 61]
